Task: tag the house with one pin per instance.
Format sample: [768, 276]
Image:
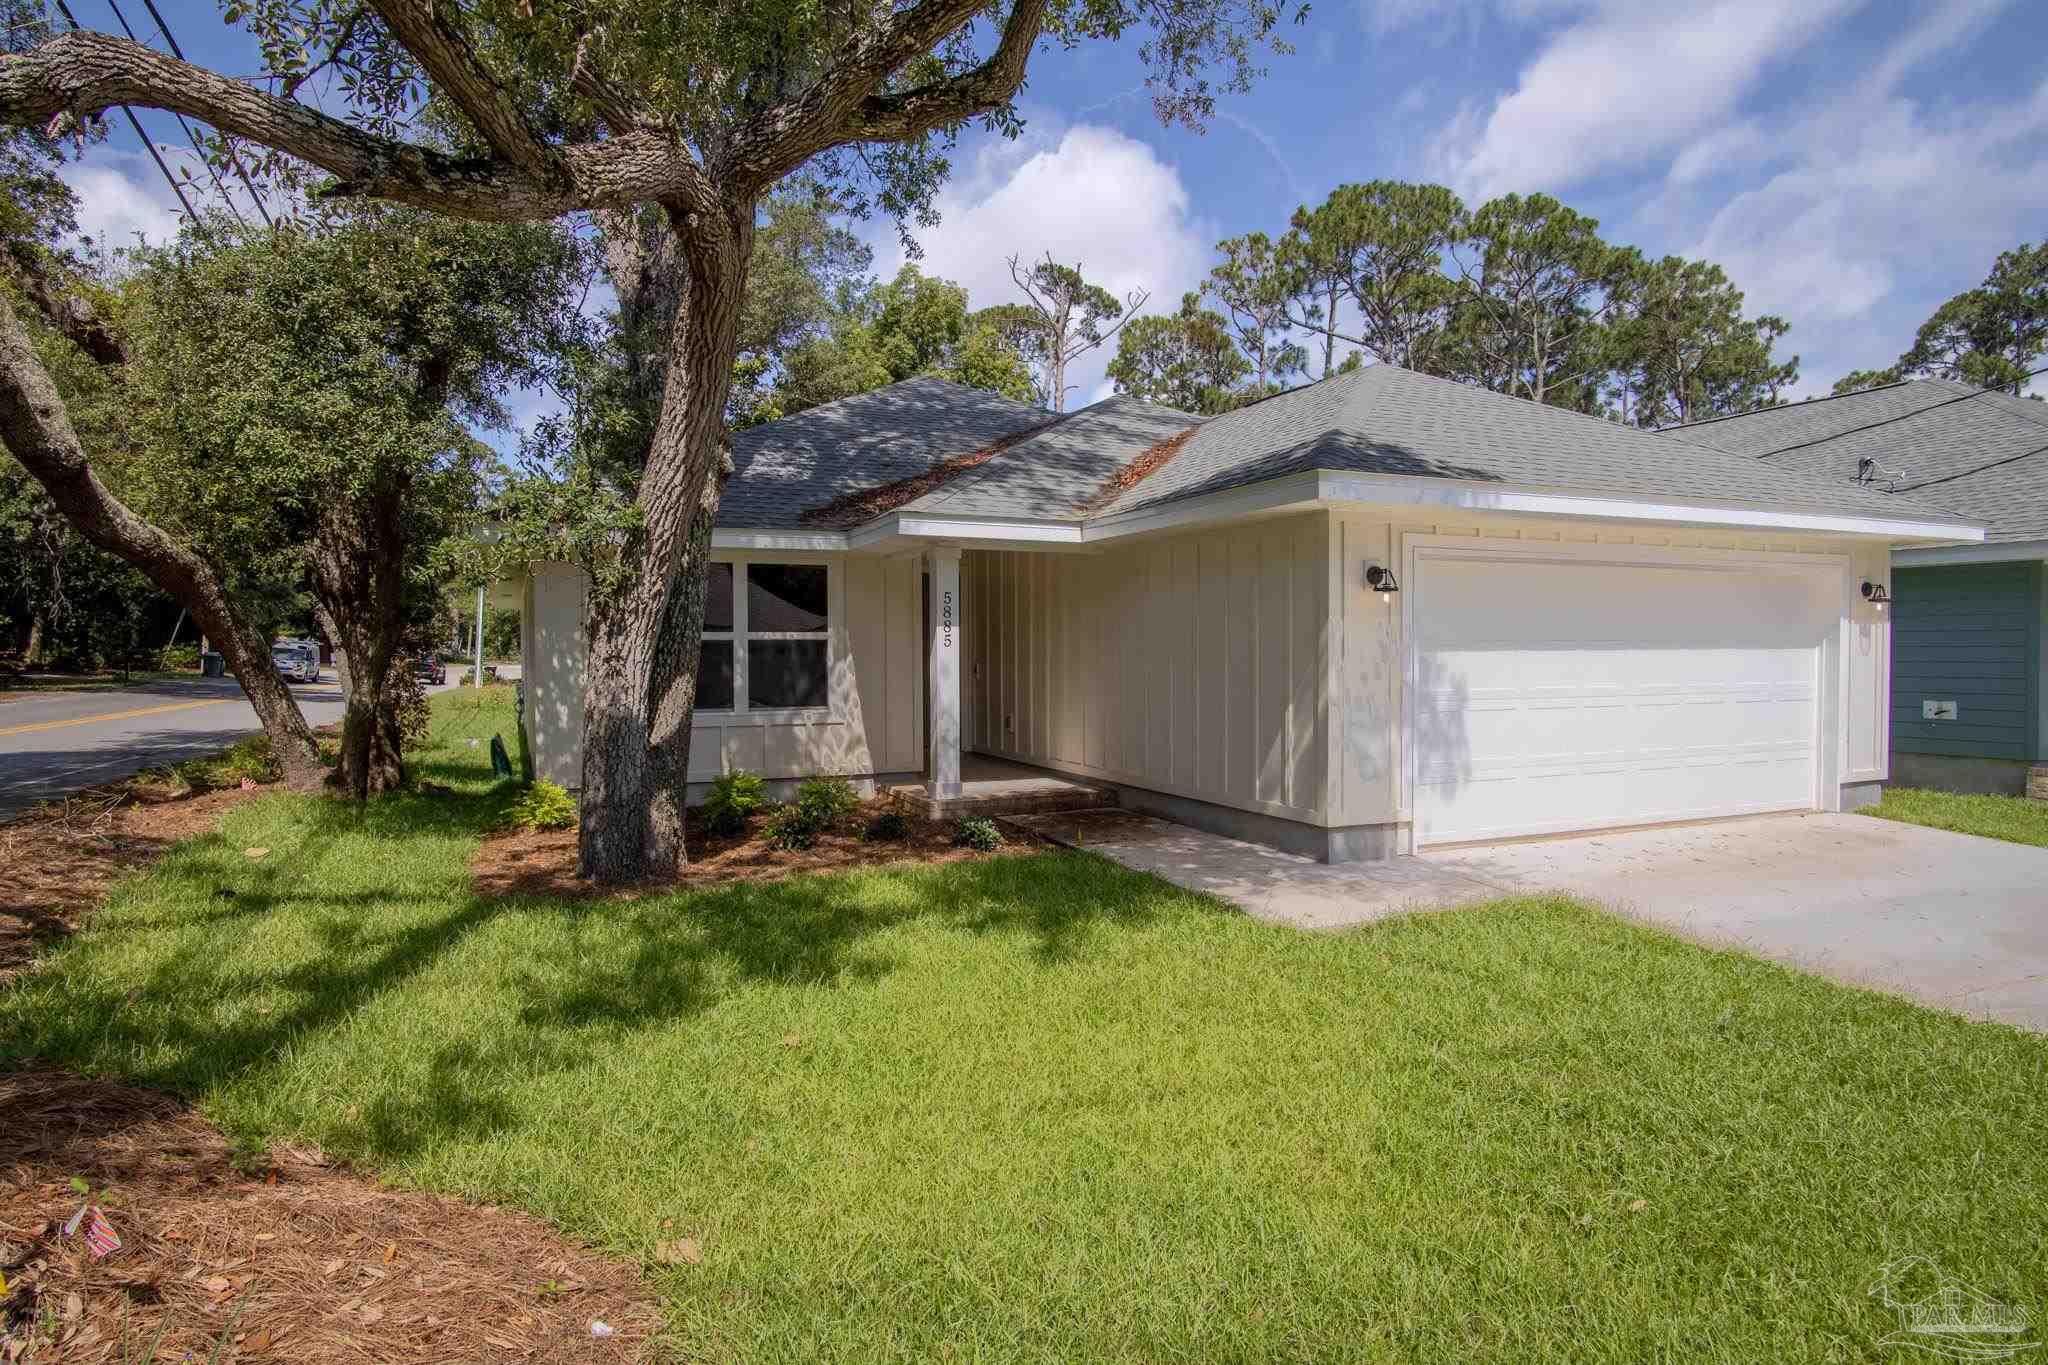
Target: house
[1377, 612]
[1969, 707]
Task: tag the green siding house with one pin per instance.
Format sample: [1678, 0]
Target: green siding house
[1969, 680]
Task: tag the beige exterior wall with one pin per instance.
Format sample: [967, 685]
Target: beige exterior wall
[1193, 664]
[1367, 649]
[873, 723]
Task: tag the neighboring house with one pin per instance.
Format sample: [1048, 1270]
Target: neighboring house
[1380, 611]
[1970, 621]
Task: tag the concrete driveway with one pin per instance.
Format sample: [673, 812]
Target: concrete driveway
[1949, 919]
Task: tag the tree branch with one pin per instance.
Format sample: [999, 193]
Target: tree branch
[428, 31]
[85, 72]
[69, 312]
[844, 107]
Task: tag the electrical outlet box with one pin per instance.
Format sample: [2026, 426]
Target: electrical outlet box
[1937, 710]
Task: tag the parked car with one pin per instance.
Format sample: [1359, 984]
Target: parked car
[429, 669]
[298, 662]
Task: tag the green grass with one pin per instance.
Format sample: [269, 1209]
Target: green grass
[2013, 818]
[1039, 1108]
[90, 682]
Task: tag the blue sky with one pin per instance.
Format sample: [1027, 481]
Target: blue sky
[1849, 164]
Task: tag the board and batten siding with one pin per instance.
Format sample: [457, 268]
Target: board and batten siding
[1970, 634]
[872, 725]
[1367, 663]
[1194, 665]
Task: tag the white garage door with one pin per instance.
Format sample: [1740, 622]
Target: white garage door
[1552, 696]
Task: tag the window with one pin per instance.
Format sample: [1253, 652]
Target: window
[768, 648]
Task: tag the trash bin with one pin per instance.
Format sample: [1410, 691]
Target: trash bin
[213, 664]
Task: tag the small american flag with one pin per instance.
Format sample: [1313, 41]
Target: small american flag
[100, 1237]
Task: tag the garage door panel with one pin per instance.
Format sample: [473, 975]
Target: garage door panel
[1561, 696]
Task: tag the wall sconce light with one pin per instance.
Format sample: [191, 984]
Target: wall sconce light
[1382, 581]
[1875, 594]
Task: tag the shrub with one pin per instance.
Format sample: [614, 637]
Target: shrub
[544, 805]
[176, 657]
[889, 826]
[732, 801]
[789, 829]
[978, 834]
[825, 801]
[250, 758]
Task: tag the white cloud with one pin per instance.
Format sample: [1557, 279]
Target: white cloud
[120, 194]
[1621, 84]
[1092, 197]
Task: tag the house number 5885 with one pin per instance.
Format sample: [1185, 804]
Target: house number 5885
[946, 620]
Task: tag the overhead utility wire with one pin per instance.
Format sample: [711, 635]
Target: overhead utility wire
[234, 161]
[190, 136]
[136, 124]
[1887, 421]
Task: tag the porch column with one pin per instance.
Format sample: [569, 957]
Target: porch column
[944, 779]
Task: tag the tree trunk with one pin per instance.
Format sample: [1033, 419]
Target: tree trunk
[37, 430]
[1330, 330]
[358, 560]
[33, 655]
[639, 682]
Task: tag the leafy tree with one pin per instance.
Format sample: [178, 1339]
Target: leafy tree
[670, 125]
[1538, 283]
[1256, 290]
[1857, 380]
[804, 266]
[1186, 360]
[1993, 335]
[987, 358]
[1381, 246]
[1063, 317]
[1682, 349]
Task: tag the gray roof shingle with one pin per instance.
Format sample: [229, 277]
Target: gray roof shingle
[784, 468]
[1056, 473]
[1978, 453]
[1387, 420]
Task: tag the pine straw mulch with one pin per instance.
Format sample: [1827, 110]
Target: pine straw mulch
[60, 857]
[543, 863]
[303, 1262]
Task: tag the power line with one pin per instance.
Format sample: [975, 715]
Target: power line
[190, 136]
[234, 161]
[136, 124]
[1887, 421]
[1966, 473]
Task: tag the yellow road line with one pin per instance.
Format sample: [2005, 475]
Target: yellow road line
[113, 715]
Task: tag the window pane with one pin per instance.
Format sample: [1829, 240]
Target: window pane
[785, 673]
[785, 597]
[718, 598]
[714, 676]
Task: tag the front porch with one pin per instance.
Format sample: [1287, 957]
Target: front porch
[996, 786]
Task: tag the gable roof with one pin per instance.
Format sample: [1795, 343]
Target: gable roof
[784, 468]
[1058, 473]
[1978, 453]
[1384, 419]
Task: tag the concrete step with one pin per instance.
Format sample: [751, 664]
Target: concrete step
[1031, 796]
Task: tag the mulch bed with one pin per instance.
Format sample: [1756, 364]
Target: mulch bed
[60, 858]
[543, 863]
[301, 1261]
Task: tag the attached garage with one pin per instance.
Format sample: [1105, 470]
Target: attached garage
[1587, 687]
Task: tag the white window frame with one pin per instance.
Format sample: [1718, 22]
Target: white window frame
[742, 712]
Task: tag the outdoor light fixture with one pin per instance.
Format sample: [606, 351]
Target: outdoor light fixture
[1382, 581]
[1875, 594]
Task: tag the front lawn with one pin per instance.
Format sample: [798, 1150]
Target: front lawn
[1037, 1107]
[2013, 818]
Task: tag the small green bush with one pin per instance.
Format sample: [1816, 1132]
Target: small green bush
[887, 827]
[978, 834]
[825, 801]
[544, 805]
[176, 657]
[732, 801]
[789, 829]
[250, 758]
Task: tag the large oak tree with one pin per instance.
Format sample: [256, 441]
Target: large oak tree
[670, 123]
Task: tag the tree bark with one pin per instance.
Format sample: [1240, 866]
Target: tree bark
[358, 562]
[37, 431]
[33, 655]
[639, 682]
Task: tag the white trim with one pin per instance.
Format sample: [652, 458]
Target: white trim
[1325, 487]
[1832, 683]
[1971, 554]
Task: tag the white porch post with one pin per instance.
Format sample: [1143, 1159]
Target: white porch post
[944, 780]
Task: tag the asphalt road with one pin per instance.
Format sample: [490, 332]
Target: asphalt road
[58, 742]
